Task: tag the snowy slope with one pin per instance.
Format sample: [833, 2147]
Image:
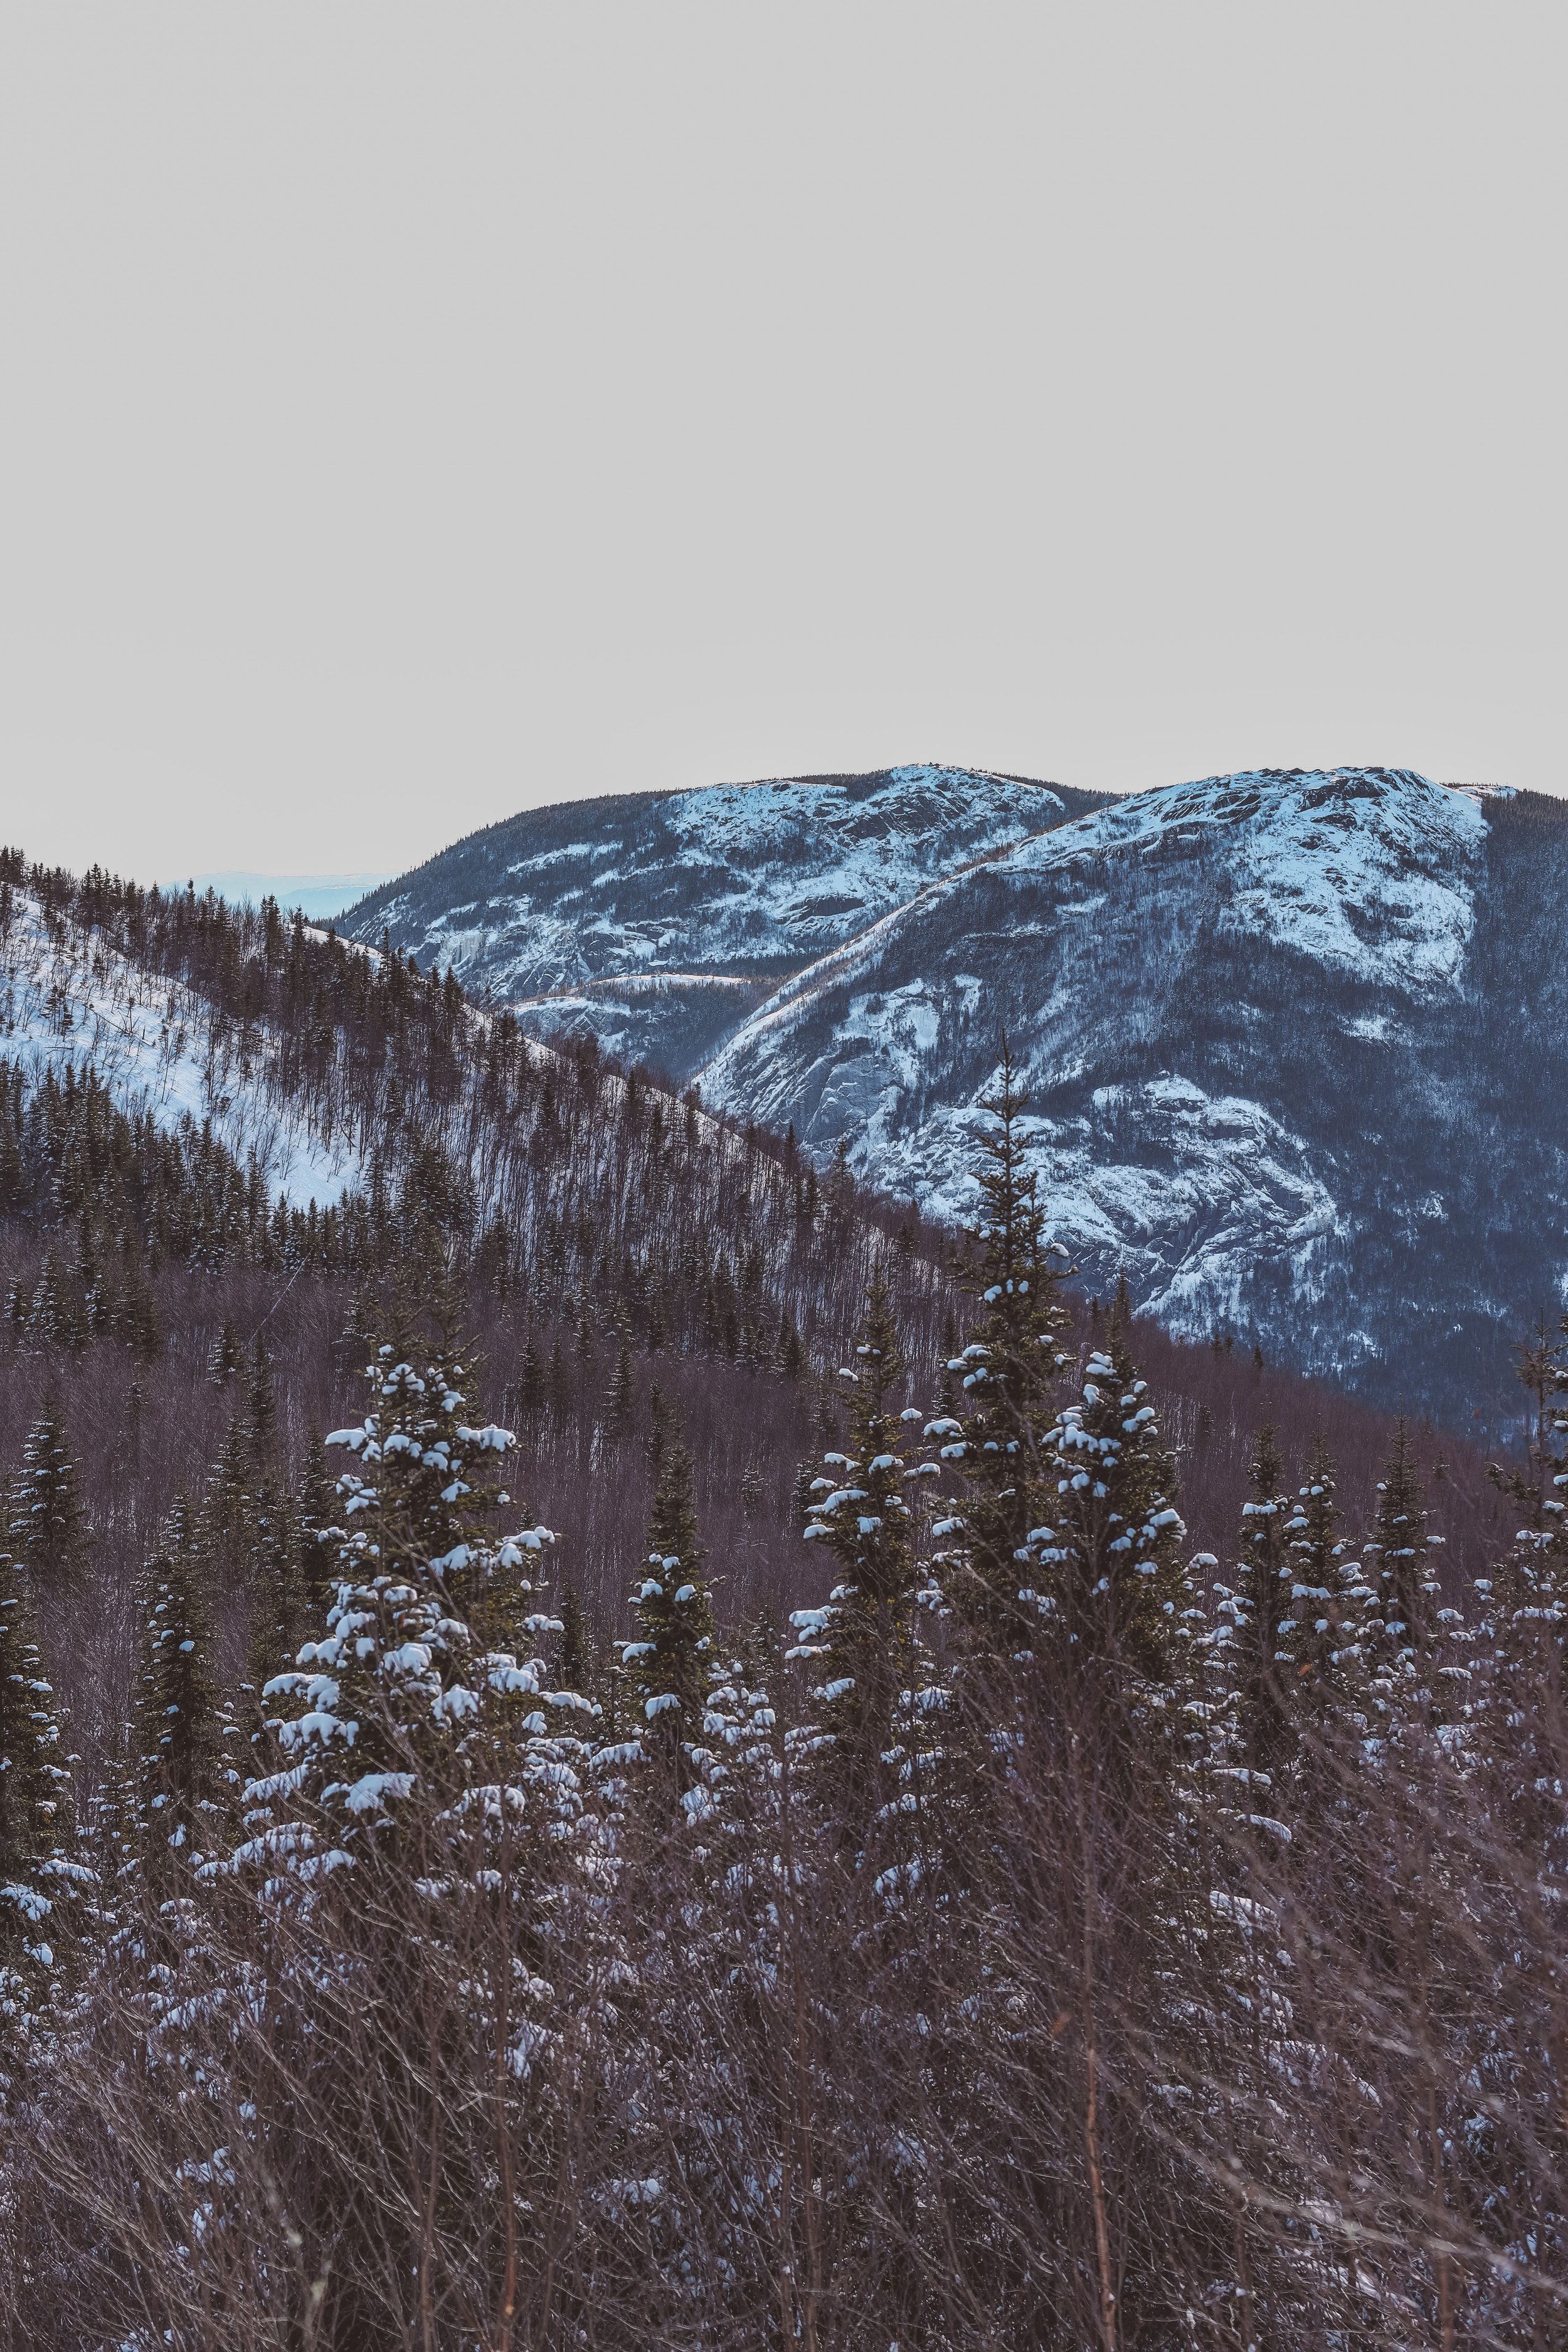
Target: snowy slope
[738, 879]
[158, 1048]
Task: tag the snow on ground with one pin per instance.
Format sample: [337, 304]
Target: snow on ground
[155, 1046]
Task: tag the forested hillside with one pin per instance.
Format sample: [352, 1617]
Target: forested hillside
[609, 1738]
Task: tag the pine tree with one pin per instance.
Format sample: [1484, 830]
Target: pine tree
[1324, 1583]
[421, 1594]
[531, 1386]
[37, 1878]
[1108, 1583]
[185, 1773]
[1250, 1650]
[260, 1404]
[621, 1390]
[671, 1659]
[47, 1527]
[1009, 1370]
[1404, 1622]
[662, 1426]
[225, 1357]
[866, 1635]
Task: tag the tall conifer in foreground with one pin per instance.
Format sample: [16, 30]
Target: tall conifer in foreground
[1108, 1584]
[865, 1637]
[1010, 1370]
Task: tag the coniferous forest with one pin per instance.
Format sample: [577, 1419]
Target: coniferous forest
[608, 1740]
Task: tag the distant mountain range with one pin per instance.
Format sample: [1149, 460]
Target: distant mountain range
[1295, 1041]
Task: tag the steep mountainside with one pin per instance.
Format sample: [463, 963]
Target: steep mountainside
[1296, 1051]
[1294, 1041]
[722, 888]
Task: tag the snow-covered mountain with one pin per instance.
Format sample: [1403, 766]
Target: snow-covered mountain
[1294, 1041]
[737, 882]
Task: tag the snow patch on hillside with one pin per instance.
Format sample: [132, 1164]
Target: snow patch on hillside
[156, 1048]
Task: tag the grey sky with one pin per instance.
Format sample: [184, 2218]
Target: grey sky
[410, 413]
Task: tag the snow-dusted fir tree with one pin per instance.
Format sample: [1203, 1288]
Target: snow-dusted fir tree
[1325, 1584]
[1414, 1644]
[672, 1661]
[38, 1880]
[1251, 1650]
[866, 1636]
[1009, 1370]
[422, 1662]
[428, 1818]
[186, 1769]
[1108, 1581]
[47, 1530]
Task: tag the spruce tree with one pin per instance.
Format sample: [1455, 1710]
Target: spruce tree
[37, 1878]
[621, 1390]
[225, 1357]
[1009, 1370]
[866, 1635]
[1108, 1584]
[428, 1616]
[46, 1525]
[185, 1773]
[1251, 1649]
[1324, 1583]
[671, 1659]
[1404, 1618]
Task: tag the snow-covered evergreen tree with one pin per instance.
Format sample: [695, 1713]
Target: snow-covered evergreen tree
[866, 1636]
[671, 1660]
[1010, 1370]
[1416, 1650]
[425, 1632]
[1330, 1600]
[47, 1529]
[1251, 1650]
[1108, 1579]
[38, 1878]
[187, 1768]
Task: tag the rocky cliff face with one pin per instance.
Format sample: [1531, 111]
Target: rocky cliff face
[754, 879]
[1294, 1041]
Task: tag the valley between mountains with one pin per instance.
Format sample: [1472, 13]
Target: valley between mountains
[1294, 1041]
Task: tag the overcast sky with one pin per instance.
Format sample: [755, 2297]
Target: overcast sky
[408, 415]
